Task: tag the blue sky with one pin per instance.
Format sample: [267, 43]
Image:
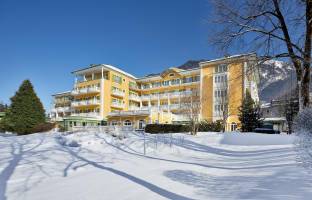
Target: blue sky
[45, 40]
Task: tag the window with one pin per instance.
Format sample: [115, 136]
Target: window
[233, 126]
[156, 84]
[117, 79]
[171, 74]
[146, 86]
[221, 79]
[165, 83]
[175, 81]
[221, 68]
[114, 123]
[127, 123]
[133, 85]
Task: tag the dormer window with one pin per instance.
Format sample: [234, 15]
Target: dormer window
[171, 74]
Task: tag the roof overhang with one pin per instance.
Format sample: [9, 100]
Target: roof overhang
[99, 67]
[249, 57]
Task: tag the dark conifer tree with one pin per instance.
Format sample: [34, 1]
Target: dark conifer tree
[26, 110]
[249, 115]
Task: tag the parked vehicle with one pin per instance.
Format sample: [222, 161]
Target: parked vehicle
[266, 130]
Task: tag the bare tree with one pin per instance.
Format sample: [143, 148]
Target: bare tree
[273, 29]
[191, 107]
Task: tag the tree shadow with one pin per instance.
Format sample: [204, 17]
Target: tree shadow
[285, 184]
[193, 163]
[154, 188]
[19, 151]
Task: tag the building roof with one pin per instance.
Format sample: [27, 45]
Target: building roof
[62, 93]
[105, 66]
[227, 58]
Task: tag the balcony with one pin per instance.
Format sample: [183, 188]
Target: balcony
[163, 96]
[118, 93]
[90, 114]
[86, 103]
[117, 105]
[145, 97]
[154, 96]
[134, 98]
[175, 94]
[134, 108]
[163, 107]
[86, 91]
[129, 113]
[175, 106]
[134, 87]
[63, 109]
[144, 107]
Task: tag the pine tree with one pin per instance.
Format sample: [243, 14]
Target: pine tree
[26, 110]
[3, 107]
[249, 115]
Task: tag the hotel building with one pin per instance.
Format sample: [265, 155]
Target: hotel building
[103, 94]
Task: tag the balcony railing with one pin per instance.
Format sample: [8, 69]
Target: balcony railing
[90, 114]
[134, 87]
[118, 93]
[86, 90]
[117, 105]
[134, 98]
[144, 107]
[175, 106]
[86, 103]
[134, 108]
[63, 109]
[129, 113]
[145, 97]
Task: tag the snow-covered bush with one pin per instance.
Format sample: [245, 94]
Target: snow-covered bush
[66, 142]
[303, 129]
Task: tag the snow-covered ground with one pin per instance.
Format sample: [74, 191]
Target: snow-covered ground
[91, 166]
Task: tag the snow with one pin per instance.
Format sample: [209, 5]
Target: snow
[257, 139]
[175, 166]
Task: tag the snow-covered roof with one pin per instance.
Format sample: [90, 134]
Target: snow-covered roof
[227, 57]
[61, 93]
[274, 119]
[105, 66]
[158, 76]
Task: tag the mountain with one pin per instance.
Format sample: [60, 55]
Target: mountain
[191, 64]
[277, 78]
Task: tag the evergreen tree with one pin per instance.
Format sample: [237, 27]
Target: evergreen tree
[3, 107]
[26, 110]
[249, 115]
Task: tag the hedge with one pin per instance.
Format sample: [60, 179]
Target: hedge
[166, 128]
[43, 127]
[206, 126]
[203, 126]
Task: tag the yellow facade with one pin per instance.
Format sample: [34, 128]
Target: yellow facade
[106, 93]
[239, 70]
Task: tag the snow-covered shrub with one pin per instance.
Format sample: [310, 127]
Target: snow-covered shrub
[65, 142]
[303, 129]
[73, 143]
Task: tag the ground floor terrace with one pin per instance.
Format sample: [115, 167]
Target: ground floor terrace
[137, 120]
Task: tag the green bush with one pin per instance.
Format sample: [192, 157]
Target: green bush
[166, 128]
[206, 126]
[43, 127]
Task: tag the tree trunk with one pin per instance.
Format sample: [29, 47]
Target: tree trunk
[305, 85]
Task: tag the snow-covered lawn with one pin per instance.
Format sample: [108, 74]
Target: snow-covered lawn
[91, 166]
